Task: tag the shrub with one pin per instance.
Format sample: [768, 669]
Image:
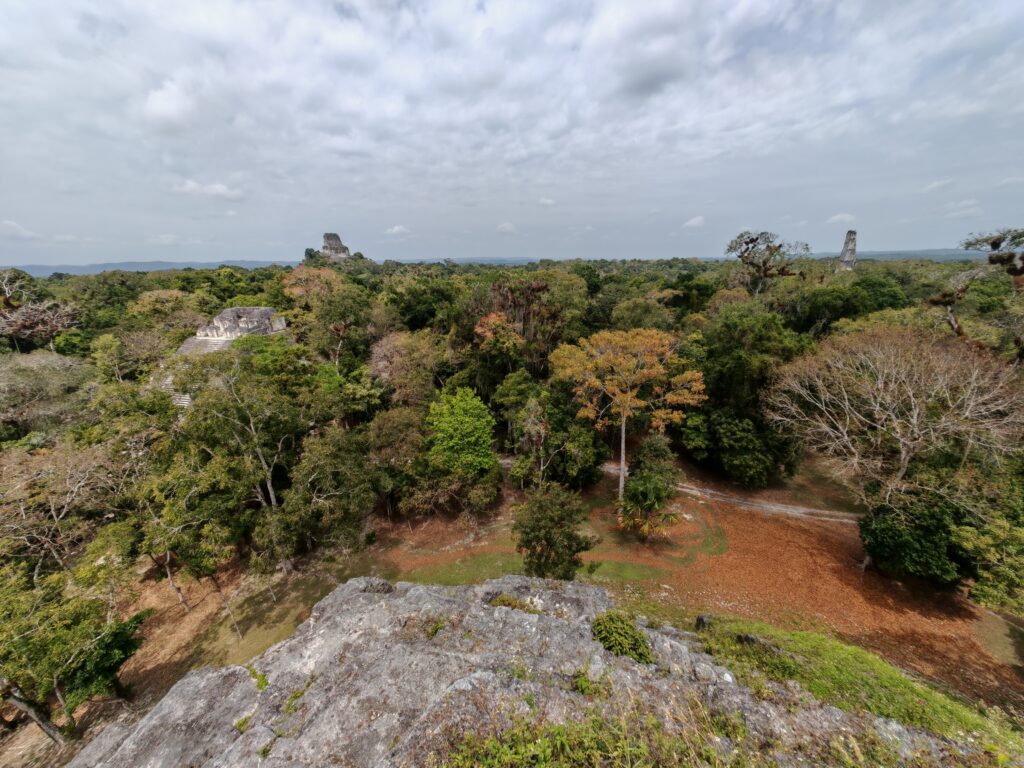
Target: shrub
[546, 530]
[619, 635]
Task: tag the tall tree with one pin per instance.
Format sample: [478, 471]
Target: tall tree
[619, 375]
[765, 257]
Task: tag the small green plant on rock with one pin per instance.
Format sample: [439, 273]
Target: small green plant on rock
[584, 686]
[433, 624]
[513, 602]
[243, 723]
[292, 705]
[258, 677]
[619, 635]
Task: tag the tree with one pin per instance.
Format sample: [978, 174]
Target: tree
[1005, 248]
[623, 374]
[56, 643]
[651, 483]
[765, 257]
[924, 429]
[879, 400]
[547, 533]
[642, 313]
[408, 364]
[739, 348]
[460, 429]
[331, 495]
[37, 322]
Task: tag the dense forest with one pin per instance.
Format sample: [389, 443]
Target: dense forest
[412, 390]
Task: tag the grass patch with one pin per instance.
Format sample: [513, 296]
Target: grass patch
[467, 570]
[842, 675]
[584, 686]
[618, 570]
[630, 739]
[619, 635]
[258, 677]
[432, 625]
[519, 671]
[291, 706]
[513, 602]
[243, 723]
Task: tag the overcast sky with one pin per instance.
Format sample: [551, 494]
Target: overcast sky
[208, 129]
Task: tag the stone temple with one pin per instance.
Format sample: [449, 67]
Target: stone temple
[848, 258]
[231, 324]
[333, 248]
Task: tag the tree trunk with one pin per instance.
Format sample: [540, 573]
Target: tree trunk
[622, 459]
[227, 605]
[68, 712]
[177, 589]
[37, 714]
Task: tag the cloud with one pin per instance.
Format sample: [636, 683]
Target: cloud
[937, 185]
[398, 230]
[12, 230]
[192, 187]
[506, 228]
[696, 221]
[963, 209]
[168, 106]
[1010, 181]
[615, 108]
[840, 218]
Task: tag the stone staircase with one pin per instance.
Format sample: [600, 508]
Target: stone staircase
[201, 345]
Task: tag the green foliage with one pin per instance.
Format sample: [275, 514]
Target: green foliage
[460, 430]
[258, 677]
[432, 625]
[846, 677]
[331, 495]
[739, 349]
[913, 535]
[73, 342]
[547, 533]
[620, 635]
[513, 602]
[651, 483]
[55, 640]
[619, 739]
[292, 703]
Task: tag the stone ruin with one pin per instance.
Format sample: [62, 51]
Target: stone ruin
[333, 248]
[848, 258]
[231, 324]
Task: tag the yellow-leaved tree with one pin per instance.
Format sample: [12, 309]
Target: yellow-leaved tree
[617, 375]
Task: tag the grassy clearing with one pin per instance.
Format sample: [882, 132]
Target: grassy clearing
[467, 570]
[843, 675]
[618, 570]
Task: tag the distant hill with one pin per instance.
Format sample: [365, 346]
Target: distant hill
[932, 254]
[45, 270]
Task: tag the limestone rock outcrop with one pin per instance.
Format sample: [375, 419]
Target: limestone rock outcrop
[384, 675]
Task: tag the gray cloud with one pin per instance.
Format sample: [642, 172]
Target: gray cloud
[121, 119]
[841, 218]
[216, 189]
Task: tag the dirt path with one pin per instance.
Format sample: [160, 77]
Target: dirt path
[785, 564]
[768, 507]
